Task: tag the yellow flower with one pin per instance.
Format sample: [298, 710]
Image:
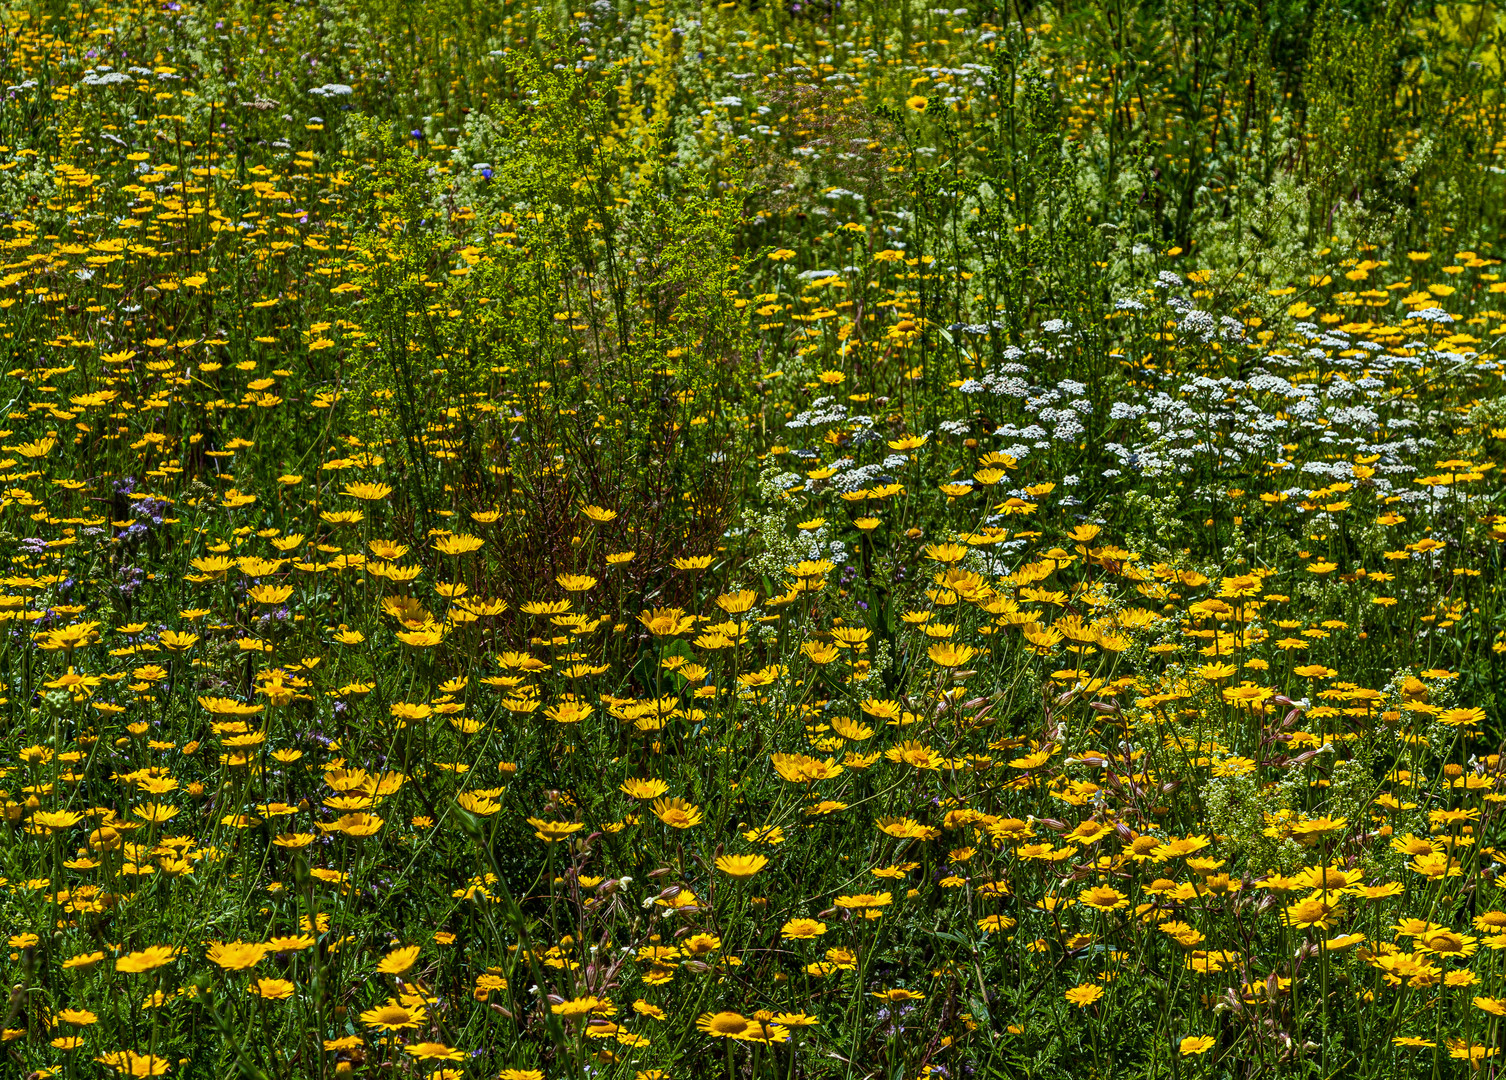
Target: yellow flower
[568, 711]
[947, 655]
[643, 788]
[173, 641]
[800, 769]
[916, 103]
[272, 989]
[581, 1006]
[56, 819]
[75, 682]
[399, 960]
[459, 544]
[1196, 1044]
[666, 622]
[147, 959]
[218, 706]
[1445, 942]
[947, 554]
[741, 867]
[386, 549]
[1471, 1052]
[551, 832]
[1216, 672]
[425, 638]
[130, 1063]
[677, 813]
[393, 1016]
[737, 603]
[1435, 866]
[914, 753]
[1461, 716]
[237, 955]
[1084, 995]
[1102, 898]
[851, 729]
[433, 1051]
[367, 492]
[70, 637]
[820, 652]
[902, 828]
[723, 1025]
[802, 929]
[1312, 912]
[39, 449]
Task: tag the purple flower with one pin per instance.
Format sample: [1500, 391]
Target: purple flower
[130, 579]
[151, 508]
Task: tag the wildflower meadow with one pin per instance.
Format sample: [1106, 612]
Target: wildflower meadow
[752, 541]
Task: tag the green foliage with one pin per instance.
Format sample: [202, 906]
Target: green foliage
[607, 318]
[763, 541]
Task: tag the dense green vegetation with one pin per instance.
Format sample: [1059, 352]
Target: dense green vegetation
[817, 540]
